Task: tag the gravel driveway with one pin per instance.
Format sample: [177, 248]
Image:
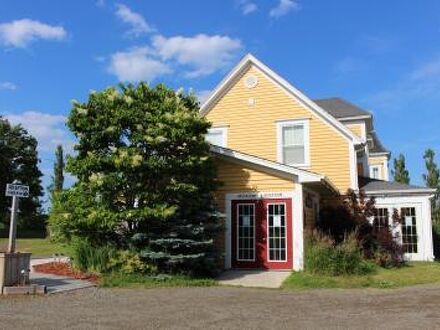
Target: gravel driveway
[225, 308]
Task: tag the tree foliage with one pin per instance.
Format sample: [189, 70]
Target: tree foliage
[58, 169]
[355, 214]
[400, 173]
[432, 180]
[19, 161]
[145, 177]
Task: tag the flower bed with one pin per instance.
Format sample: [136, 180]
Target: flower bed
[64, 269]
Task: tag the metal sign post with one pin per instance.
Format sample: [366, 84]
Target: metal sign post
[15, 191]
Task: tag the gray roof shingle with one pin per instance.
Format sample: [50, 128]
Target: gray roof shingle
[370, 185]
[377, 146]
[340, 108]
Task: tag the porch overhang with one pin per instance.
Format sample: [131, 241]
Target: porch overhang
[310, 179]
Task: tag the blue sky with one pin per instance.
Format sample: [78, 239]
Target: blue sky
[381, 55]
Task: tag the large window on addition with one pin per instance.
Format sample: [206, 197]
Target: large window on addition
[380, 218]
[293, 142]
[409, 229]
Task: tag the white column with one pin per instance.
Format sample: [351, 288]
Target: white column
[298, 228]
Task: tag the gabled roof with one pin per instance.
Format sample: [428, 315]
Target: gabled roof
[249, 60]
[379, 187]
[300, 175]
[342, 109]
[377, 146]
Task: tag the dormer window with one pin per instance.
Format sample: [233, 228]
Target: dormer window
[217, 136]
[293, 142]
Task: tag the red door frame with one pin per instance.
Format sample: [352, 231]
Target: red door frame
[260, 235]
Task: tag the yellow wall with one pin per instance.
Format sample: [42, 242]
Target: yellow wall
[357, 129]
[252, 128]
[381, 160]
[236, 178]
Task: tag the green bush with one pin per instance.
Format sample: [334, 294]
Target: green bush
[88, 258]
[128, 262]
[323, 256]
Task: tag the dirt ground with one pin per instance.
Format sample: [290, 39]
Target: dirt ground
[225, 308]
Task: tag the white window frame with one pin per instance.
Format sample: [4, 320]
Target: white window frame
[372, 167]
[280, 126]
[223, 131]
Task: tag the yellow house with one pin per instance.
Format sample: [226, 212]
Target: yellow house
[279, 154]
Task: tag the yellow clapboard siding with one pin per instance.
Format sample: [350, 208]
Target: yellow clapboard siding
[252, 128]
[381, 160]
[357, 129]
[236, 178]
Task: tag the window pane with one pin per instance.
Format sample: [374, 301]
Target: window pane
[293, 144]
[293, 135]
[215, 138]
[293, 155]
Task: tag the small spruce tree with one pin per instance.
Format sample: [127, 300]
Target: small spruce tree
[400, 173]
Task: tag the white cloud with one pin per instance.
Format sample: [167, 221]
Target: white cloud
[48, 129]
[414, 89]
[20, 33]
[247, 7]
[137, 64]
[203, 53]
[283, 8]
[138, 24]
[7, 85]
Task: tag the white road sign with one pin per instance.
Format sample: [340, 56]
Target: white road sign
[17, 190]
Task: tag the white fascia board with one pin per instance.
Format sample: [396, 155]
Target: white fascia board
[250, 59]
[355, 118]
[428, 192]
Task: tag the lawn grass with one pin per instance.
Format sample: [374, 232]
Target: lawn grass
[146, 282]
[37, 246]
[412, 274]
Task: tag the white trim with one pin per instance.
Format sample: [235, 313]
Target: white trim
[353, 168]
[223, 130]
[285, 232]
[238, 230]
[379, 154]
[280, 125]
[355, 118]
[299, 96]
[298, 228]
[396, 193]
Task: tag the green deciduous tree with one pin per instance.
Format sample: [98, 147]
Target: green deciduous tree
[145, 177]
[400, 173]
[19, 161]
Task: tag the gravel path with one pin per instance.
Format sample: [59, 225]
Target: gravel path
[225, 308]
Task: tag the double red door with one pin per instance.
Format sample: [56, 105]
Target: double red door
[262, 233]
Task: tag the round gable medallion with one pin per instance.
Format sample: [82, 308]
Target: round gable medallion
[251, 81]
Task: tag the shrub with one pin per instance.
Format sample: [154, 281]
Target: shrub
[128, 262]
[324, 256]
[91, 259]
